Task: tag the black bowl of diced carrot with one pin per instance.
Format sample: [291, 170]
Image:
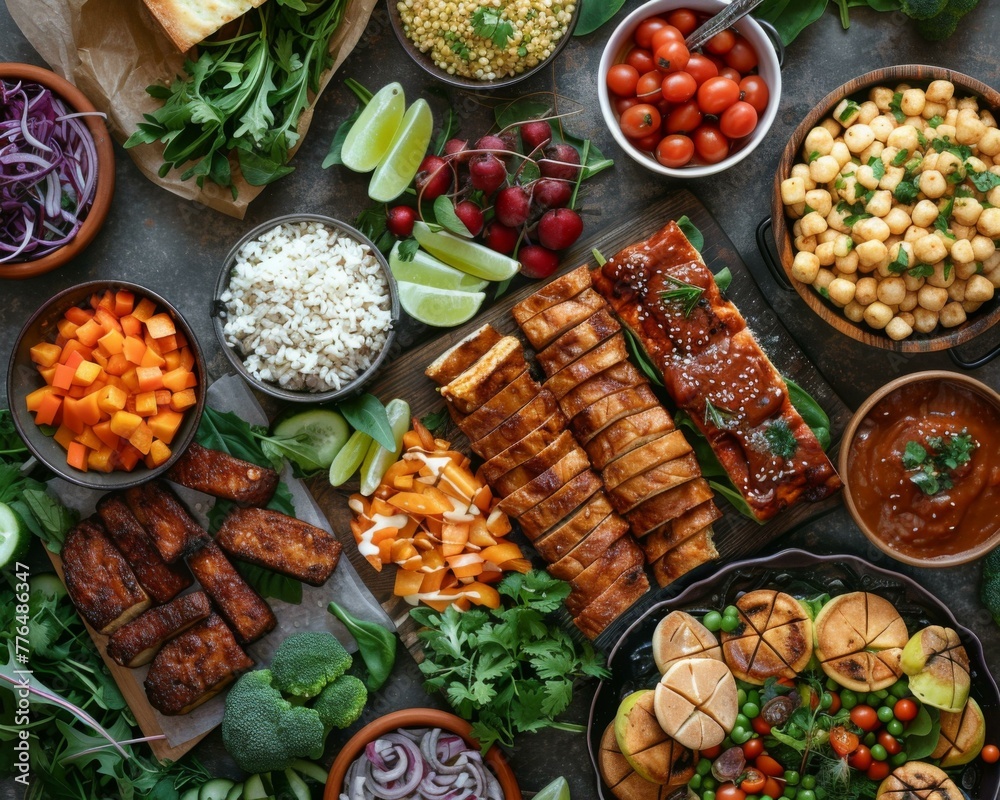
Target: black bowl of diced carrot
[106, 384]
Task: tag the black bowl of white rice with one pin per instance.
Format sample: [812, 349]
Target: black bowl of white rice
[306, 308]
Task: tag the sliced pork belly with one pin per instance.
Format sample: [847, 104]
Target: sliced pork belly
[455, 360]
[544, 459]
[552, 293]
[555, 321]
[628, 433]
[172, 529]
[577, 341]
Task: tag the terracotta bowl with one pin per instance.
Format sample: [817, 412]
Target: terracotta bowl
[914, 75]
[105, 172]
[417, 718]
[23, 378]
[990, 395]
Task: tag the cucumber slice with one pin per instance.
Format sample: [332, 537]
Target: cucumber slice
[235, 793]
[378, 459]
[215, 789]
[310, 769]
[48, 585]
[14, 536]
[298, 786]
[253, 788]
[349, 459]
[322, 434]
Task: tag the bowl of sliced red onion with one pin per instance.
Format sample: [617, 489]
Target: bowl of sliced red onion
[57, 171]
[419, 754]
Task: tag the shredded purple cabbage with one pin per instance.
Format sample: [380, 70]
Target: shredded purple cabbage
[48, 172]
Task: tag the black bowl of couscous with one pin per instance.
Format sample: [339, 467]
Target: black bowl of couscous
[473, 46]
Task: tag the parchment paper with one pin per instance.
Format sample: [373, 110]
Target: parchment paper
[113, 49]
[345, 586]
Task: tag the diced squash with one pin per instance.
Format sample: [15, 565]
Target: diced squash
[152, 358]
[76, 456]
[90, 332]
[86, 373]
[78, 316]
[34, 399]
[88, 438]
[124, 423]
[73, 354]
[131, 325]
[160, 325]
[63, 377]
[130, 380]
[163, 397]
[48, 409]
[141, 438]
[66, 328]
[111, 343]
[134, 349]
[71, 415]
[99, 358]
[124, 302]
[48, 373]
[144, 309]
[150, 378]
[165, 424]
[118, 364]
[187, 358]
[175, 380]
[107, 320]
[145, 404]
[128, 457]
[158, 453]
[407, 582]
[64, 436]
[88, 409]
[171, 360]
[45, 354]
[102, 430]
[183, 400]
[111, 399]
[167, 343]
[102, 459]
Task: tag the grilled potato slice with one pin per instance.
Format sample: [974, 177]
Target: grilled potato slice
[774, 637]
[696, 702]
[917, 780]
[679, 635]
[627, 784]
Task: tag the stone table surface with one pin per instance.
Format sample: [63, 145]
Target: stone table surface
[176, 248]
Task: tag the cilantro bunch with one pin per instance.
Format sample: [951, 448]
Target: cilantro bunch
[509, 670]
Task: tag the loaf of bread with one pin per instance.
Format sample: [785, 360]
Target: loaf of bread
[187, 22]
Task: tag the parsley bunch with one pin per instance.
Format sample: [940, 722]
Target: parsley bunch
[508, 670]
[932, 466]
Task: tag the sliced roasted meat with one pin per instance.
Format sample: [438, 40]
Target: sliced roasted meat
[173, 531]
[546, 484]
[520, 452]
[663, 508]
[680, 560]
[546, 458]
[624, 555]
[542, 328]
[578, 340]
[658, 451]
[280, 543]
[543, 411]
[588, 549]
[557, 505]
[136, 642]
[627, 433]
[161, 580]
[575, 527]
[243, 609]
[552, 293]
[455, 360]
[491, 373]
[221, 475]
[626, 496]
[595, 418]
[608, 353]
[99, 580]
[614, 379]
[612, 603]
[508, 401]
[669, 535]
[194, 667]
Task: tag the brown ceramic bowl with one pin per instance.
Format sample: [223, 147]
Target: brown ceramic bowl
[417, 718]
[848, 471]
[105, 172]
[914, 75]
[23, 378]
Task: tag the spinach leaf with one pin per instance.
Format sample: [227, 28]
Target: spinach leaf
[366, 413]
[594, 13]
[638, 353]
[692, 233]
[791, 17]
[811, 411]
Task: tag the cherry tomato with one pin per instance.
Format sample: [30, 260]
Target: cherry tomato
[684, 118]
[769, 766]
[834, 697]
[760, 726]
[712, 752]
[752, 748]
[753, 781]
[624, 103]
[905, 710]
[730, 791]
[643, 35]
[738, 120]
[772, 788]
[648, 88]
[648, 142]
[843, 741]
[865, 717]
[640, 120]
[684, 20]
[889, 742]
[641, 59]
[678, 87]
[741, 56]
[671, 56]
[861, 758]
[668, 33]
[754, 91]
[622, 80]
[710, 144]
[990, 754]
[721, 43]
[700, 68]
[716, 95]
[675, 150]
[732, 74]
[878, 771]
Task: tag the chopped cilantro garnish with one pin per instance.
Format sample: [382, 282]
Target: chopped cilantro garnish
[878, 167]
[900, 263]
[936, 120]
[900, 158]
[932, 465]
[780, 439]
[920, 271]
[490, 24]
[984, 181]
[896, 109]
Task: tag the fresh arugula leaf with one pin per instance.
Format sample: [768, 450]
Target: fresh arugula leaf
[811, 411]
[366, 413]
[690, 230]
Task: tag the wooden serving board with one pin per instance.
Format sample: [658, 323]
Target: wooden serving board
[735, 535]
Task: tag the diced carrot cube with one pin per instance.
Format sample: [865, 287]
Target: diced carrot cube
[176, 379]
[141, 438]
[102, 430]
[48, 409]
[86, 373]
[145, 404]
[88, 409]
[90, 332]
[150, 378]
[167, 343]
[101, 459]
[124, 424]
[124, 302]
[34, 399]
[99, 358]
[112, 342]
[64, 436]
[165, 424]
[152, 358]
[160, 325]
[134, 349]
[89, 439]
[128, 457]
[131, 326]
[158, 453]
[117, 365]
[45, 354]
[187, 358]
[74, 352]
[76, 456]
[71, 415]
[78, 315]
[144, 309]
[63, 377]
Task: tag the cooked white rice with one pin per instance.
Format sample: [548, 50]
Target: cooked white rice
[308, 306]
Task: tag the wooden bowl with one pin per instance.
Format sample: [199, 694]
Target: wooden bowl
[417, 718]
[104, 190]
[990, 395]
[941, 339]
[23, 378]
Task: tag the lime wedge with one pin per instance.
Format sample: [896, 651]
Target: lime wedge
[347, 461]
[442, 308]
[371, 134]
[14, 536]
[557, 790]
[426, 270]
[378, 459]
[476, 259]
[402, 160]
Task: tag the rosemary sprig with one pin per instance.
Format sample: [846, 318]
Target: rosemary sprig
[685, 293]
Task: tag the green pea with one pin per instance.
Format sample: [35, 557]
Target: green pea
[826, 700]
[742, 721]
[753, 797]
[820, 793]
[831, 684]
[730, 611]
[741, 697]
[730, 624]
[709, 783]
[766, 797]
[791, 777]
[808, 782]
[848, 699]
[878, 752]
[712, 620]
[790, 792]
[695, 781]
[895, 727]
[753, 696]
[740, 735]
[884, 713]
[708, 795]
[870, 738]
[751, 710]
[900, 688]
[899, 759]
[806, 794]
[704, 766]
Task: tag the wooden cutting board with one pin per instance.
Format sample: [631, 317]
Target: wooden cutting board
[735, 535]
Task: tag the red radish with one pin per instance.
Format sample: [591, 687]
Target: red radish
[559, 228]
[537, 261]
[433, 178]
[487, 172]
[399, 221]
[512, 206]
[471, 216]
[499, 237]
[560, 161]
[535, 135]
[490, 143]
[457, 149]
[551, 193]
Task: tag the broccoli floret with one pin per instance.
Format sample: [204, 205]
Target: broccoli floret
[989, 589]
[341, 703]
[943, 25]
[922, 9]
[264, 732]
[306, 662]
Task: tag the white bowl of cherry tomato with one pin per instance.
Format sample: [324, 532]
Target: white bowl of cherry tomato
[682, 113]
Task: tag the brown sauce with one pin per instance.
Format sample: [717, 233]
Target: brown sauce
[907, 520]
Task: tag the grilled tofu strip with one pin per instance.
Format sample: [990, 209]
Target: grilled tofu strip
[669, 505]
[577, 341]
[455, 360]
[661, 478]
[657, 543]
[614, 379]
[595, 418]
[280, 543]
[691, 553]
[99, 580]
[623, 556]
[517, 454]
[509, 400]
[221, 475]
[628, 433]
[575, 528]
[555, 321]
[161, 513]
[608, 353]
[556, 506]
[612, 603]
[659, 451]
[552, 293]
[581, 555]
[546, 484]
[491, 373]
[542, 412]
[239, 604]
[511, 481]
[194, 667]
[136, 642]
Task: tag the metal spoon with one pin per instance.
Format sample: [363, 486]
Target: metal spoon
[734, 11]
